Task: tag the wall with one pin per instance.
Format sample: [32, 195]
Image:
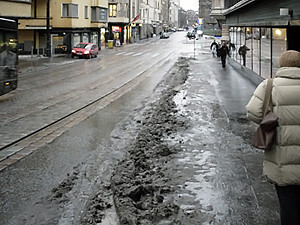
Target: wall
[14, 9]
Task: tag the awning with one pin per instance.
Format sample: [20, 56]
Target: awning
[273, 23]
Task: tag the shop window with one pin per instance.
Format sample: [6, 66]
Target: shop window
[112, 10]
[85, 37]
[248, 43]
[266, 52]
[70, 10]
[255, 48]
[279, 45]
[76, 39]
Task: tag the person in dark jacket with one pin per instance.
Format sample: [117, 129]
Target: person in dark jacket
[223, 51]
[242, 51]
[213, 48]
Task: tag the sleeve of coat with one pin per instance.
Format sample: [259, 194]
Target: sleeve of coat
[254, 106]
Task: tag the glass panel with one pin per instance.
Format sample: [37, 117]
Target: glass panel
[279, 46]
[239, 35]
[248, 49]
[256, 49]
[86, 12]
[265, 52]
[76, 39]
[93, 13]
[232, 46]
[74, 10]
[65, 10]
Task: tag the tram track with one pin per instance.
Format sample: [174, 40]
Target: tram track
[27, 144]
[68, 94]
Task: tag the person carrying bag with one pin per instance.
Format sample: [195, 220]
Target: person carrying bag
[266, 132]
[281, 164]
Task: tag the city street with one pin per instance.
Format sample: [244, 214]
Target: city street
[149, 133]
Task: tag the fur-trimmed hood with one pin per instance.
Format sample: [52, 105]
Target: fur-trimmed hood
[289, 72]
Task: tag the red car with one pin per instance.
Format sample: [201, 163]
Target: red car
[85, 50]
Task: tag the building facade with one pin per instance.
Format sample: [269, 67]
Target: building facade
[151, 17]
[267, 28]
[70, 22]
[173, 15]
[56, 26]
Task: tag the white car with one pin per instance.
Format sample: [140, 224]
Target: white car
[199, 33]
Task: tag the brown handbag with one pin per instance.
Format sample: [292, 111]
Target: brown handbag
[266, 132]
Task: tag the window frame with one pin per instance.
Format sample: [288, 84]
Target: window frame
[72, 10]
[112, 10]
[86, 12]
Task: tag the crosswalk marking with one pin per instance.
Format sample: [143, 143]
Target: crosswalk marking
[129, 53]
[120, 53]
[137, 54]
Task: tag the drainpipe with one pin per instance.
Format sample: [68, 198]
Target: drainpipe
[129, 15]
[48, 47]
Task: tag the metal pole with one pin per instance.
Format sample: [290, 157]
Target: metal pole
[48, 47]
[129, 17]
[194, 48]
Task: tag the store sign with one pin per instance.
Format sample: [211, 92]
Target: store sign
[116, 29]
[200, 20]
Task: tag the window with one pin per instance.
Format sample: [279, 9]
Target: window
[112, 10]
[86, 12]
[99, 14]
[70, 10]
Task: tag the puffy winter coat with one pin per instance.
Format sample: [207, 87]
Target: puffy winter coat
[282, 162]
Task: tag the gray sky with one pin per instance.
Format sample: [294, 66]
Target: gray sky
[189, 4]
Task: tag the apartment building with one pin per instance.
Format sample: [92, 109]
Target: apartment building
[124, 20]
[70, 22]
[151, 16]
[173, 15]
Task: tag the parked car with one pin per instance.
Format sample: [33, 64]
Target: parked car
[180, 29]
[172, 29]
[85, 50]
[191, 34]
[164, 35]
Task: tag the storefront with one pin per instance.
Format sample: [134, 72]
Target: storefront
[264, 47]
[265, 31]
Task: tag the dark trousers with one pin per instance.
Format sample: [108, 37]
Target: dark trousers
[289, 200]
[223, 59]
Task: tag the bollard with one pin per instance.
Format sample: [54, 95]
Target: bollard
[31, 51]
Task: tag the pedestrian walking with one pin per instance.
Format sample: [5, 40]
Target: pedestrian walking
[223, 51]
[243, 51]
[231, 47]
[282, 162]
[213, 48]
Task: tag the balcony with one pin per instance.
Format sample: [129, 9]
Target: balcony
[99, 3]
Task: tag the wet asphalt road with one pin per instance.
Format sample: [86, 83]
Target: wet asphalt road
[52, 91]
[85, 146]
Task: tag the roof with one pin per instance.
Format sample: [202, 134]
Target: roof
[238, 5]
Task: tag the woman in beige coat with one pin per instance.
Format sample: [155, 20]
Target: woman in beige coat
[282, 163]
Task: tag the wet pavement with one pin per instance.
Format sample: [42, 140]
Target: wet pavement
[209, 175]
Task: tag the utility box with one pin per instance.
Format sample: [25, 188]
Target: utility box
[110, 44]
